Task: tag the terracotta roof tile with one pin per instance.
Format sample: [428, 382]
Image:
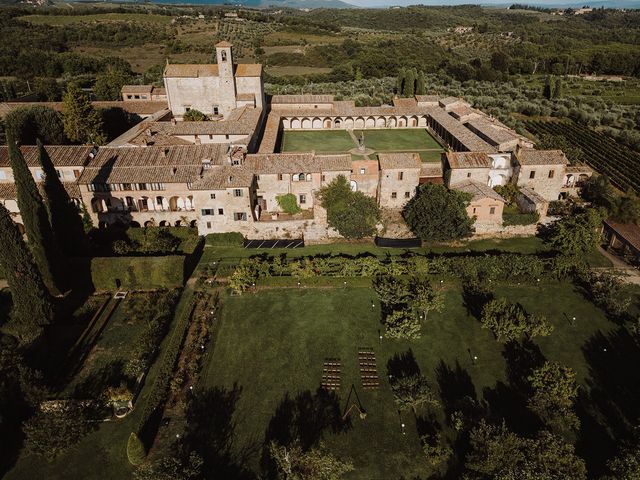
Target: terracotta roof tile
[529, 156]
[61, 155]
[297, 163]
[478, 190]
[219, 177]
[295, 99]
[468, 160]
[390, 161]
[8, 190]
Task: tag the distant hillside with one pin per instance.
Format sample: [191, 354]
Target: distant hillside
[255, 3]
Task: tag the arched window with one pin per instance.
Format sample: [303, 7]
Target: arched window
[301, 177]
[223, 56]
[308, 177]
[354, 185]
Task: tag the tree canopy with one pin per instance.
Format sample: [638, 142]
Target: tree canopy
[509, 321]
[32, 305]
[352, 214]
[27, 124]
[35, 217]
[438, 214]
[499, 454]
[82, 122]
[554, 393]
[576, 234]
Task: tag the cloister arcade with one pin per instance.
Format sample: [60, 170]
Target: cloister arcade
[348, 122]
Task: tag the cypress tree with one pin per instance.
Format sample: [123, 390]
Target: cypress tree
[36, 220]
[400, 81]
[66, 222]
[421, 84]
[557, 91]
[409, 84]
[546, 91]
[32, 303]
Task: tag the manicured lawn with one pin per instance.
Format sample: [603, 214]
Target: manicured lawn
[271, 346]
[380, 140]
[398, 139]
[330, 141]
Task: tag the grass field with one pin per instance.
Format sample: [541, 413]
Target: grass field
[380, 140]
[329, 141]
[276, 379]
[61, 20]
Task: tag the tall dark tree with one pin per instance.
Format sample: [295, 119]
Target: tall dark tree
[32, 305]
[557, 89]
[410, 83]
[421, 84]
[546, 90]
[66, 222]
[36, 220]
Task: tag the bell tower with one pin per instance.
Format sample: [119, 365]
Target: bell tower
[227, 83]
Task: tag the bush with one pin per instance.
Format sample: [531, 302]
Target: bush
[520, 218]
[135, 450]
[194, 116]
[229, 239]
[288, 203]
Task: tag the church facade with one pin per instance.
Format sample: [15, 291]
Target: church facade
[213, 89]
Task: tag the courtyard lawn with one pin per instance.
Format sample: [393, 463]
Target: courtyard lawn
[399, 139]
[380, 140]
[328, 141]
[270, 346]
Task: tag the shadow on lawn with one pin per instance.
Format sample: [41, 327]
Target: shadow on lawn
[475, 296]
[610, 409]
[94, 385]
[303, 419]
[403, 365]
[211, 431]
[508, 401]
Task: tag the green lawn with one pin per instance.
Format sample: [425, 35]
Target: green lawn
[380, 140]
[399, 139]
[329, 141]
[272, 344]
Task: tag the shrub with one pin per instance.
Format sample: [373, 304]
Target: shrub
[509, 321]
[194, 116]
[288, 203]
[135, 450]
[520, 218]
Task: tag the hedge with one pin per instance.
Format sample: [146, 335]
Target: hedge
[504, 266]
[520, 218]
[159, 389]
[229, 239]
[137, 273]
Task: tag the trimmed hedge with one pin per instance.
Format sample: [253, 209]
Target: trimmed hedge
[520, 218]
[229, 239]
[160, 388]
[138, 273]
[135, 450]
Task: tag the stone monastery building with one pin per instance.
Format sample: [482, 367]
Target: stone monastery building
[225, 174]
